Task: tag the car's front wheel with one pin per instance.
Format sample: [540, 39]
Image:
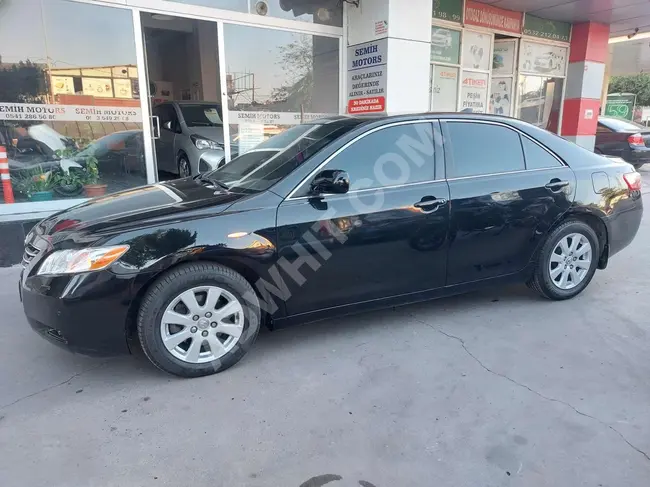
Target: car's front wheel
[567, 261]
[198, 319]
[184, 166]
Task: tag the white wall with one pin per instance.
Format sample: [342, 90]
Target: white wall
[408, 76]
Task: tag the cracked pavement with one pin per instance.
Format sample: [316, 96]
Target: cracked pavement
[493, 388]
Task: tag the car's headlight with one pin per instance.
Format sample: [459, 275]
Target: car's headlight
[202, 143]
[84, 260]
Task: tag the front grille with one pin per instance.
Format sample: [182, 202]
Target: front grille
[30, 253]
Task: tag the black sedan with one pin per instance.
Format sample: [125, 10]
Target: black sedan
[622, 138]
[330, 217]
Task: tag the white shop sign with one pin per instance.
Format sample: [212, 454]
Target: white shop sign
[366, 77]
[274, 118]
[68, 113]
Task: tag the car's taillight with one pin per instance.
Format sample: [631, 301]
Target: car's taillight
[633, 181]
[636, 139]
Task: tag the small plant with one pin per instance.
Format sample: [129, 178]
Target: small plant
[91, 171]
[36, 181]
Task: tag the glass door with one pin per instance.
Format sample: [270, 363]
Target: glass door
[182, 63]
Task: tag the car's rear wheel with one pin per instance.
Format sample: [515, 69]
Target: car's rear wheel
[198, 319]
[567, 261]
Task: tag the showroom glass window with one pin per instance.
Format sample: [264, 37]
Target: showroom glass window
[293, 78]
[542, 69]
[69, 97]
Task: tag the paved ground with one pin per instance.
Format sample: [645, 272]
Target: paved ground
[497, 388]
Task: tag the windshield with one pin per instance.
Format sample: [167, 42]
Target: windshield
[621, 125]
[202, 115]
[275, 158]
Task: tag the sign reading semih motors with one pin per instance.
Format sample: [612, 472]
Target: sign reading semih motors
[483, 15]
[547, 29]
[71, 113]
[366, 80]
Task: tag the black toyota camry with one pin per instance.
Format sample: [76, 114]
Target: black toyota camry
[331, 217]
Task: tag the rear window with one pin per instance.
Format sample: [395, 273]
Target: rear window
[620, 125]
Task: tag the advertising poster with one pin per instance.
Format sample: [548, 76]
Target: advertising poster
[100, 87]
[444, 89]
[476, 50]
[542, 59]
[62, 85]
[249, 136]
[473, 94]
[501, 96]
[445, 45]
[122, 88]
[620, 105]
[366, 77]
[503, 59]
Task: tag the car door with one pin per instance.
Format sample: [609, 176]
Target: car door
[506, 191]
[165, 155]
[386, 237]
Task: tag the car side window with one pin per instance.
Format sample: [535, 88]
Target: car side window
[602, 129]
[536, 156]
[391, 156]
[482, 148]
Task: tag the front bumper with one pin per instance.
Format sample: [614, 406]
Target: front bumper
[85, 313]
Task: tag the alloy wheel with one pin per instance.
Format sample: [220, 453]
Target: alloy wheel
[184, 168]
[202, 324]
[570, 261]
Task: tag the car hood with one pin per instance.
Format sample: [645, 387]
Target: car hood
[212, 133]
[135, 207]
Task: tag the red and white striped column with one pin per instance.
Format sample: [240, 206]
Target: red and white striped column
[585, 75]
[7, 190]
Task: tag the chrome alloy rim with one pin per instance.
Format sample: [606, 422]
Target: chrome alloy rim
[202, 324]
[570, 261]
[185, 168]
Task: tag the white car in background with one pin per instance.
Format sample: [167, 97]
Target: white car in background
[191, 137]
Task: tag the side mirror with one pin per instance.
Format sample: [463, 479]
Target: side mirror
[168, 126]
[331, 181]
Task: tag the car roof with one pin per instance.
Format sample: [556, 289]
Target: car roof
[366, 118]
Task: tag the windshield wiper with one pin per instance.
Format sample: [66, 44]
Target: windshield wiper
[212, 181]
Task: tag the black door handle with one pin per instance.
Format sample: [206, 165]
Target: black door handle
[556, 185]
[429, 204]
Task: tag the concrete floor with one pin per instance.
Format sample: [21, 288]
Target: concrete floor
[498, 388]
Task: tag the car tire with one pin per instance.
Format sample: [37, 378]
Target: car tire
[552, 264]
[158, 337]
[184, 166]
